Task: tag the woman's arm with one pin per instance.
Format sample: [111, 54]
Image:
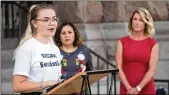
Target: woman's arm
[21, 85]
[119, 64]
[152, 66]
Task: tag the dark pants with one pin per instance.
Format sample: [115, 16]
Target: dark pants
[32, 93]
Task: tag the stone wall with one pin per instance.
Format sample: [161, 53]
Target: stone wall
[108, 11]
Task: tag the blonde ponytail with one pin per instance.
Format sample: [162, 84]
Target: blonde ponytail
[28, 33]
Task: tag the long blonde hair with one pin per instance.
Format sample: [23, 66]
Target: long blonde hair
[147, 19]
[33, 13]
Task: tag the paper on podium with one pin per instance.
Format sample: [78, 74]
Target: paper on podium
[73, 84]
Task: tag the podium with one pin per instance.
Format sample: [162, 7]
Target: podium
[82, 80]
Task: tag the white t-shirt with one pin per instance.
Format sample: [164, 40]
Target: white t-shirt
[38, 61]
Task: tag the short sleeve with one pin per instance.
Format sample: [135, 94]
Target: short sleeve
[122, 39]
[89, 66]
[22, 63]
[153, 42]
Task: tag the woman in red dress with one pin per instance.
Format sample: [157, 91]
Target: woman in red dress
[137, 55]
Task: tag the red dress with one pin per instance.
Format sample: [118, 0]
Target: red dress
[136, 56]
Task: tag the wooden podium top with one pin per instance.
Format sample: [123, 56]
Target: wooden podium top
[73, 84]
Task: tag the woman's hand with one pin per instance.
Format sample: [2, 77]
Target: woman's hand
[49, 83]
[133, 91]
[52, 82]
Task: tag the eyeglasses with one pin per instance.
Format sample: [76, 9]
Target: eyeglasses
[48, 20]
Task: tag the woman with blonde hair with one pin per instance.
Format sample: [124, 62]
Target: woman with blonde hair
[137, 55]
[37, 59]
